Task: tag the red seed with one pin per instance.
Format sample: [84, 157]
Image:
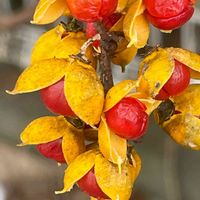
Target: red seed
[52, 150]
[89, 185]
[54, 99]
[177, 83]
[128, 118]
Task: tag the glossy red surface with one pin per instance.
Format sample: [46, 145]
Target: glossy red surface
[52, 150]
[54, 99]
[89, 185]
[91, 11]
[177, 83]
[111, 20]
[165, 9]
[172, 22]
[128, 118]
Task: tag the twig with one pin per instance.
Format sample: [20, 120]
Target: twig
[106, 71]
[81, 55]
[108, 45]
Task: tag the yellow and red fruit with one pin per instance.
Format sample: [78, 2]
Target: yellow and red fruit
[168, 15]
[52, 150]
[89, 185]
[55, 100]
[177, 83]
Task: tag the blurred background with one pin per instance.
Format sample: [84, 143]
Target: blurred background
[169, 171]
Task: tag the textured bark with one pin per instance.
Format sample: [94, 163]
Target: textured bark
[108, 45]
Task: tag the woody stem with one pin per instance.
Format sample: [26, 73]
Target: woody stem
[106, 44]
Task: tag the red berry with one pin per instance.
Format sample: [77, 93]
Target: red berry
[163, 95]
[91, 11]
[111, 20]
[54, 99]
[177, 83]
[89, 185]
[52, 150]
[171, 23]
[128, 118]
[165, 9]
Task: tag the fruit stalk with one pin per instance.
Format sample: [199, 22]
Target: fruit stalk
[106, 71]
[105, 57]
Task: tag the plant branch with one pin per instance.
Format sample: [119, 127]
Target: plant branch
[81, 55]
[108, 45]
[106, 71]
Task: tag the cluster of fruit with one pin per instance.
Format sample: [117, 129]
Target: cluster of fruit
[92, 132]
[164, 15]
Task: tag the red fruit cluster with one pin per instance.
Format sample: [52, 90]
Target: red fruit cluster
[52, 150]
[128, 118]
[89, 185]
[55, 100]
[177, 83]
[91, 11]
[169, 15]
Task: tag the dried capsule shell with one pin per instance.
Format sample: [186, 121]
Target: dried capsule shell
[48, 11]
[78, 169]
[84, 92]
[113, 147]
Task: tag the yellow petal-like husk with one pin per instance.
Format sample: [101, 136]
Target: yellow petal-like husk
[118, 92]
[136, 164]
[84, 92]
[73, 144]
[71, 45]
[113, 147]
[80, 166]
[121, 5]
[40, 75]
[47, 11]
[124, 57]
[44, 130]
[114, 184]
[189, 58]
[184, 129]
[150, 103]
[155, 70]
[140, 32]
[188, 101]
[135, 25]
[57, 43]
[47, 42]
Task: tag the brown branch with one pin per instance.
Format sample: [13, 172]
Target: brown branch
[106, 71]
[82, 54]
[108, 45]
